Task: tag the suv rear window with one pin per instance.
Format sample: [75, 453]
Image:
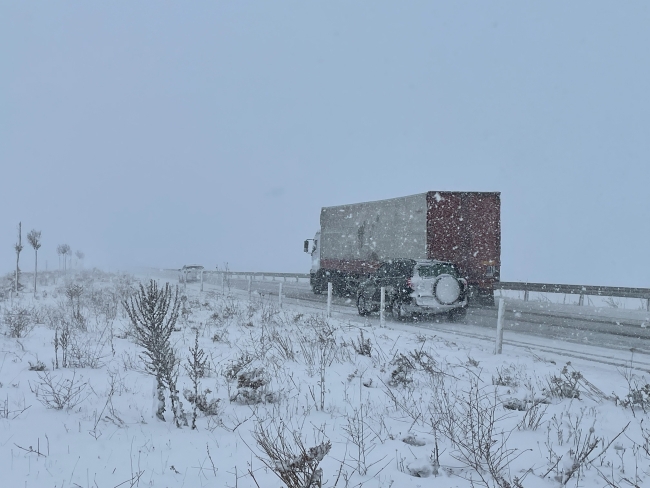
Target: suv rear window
[433, 270]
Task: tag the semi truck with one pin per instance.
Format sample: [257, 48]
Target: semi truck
[463, 228]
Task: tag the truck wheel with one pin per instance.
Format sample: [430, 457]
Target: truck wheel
[486, 300]
[396, 310]
[362, 306]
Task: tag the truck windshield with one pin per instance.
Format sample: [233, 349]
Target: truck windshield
[433, 270]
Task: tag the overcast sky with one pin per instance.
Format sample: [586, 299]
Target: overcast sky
[166, 133]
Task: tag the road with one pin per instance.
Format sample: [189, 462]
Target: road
[540, 325]
[610, 336]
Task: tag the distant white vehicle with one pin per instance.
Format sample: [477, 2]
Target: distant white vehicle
[190, 272]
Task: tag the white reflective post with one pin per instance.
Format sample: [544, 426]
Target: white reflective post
[382, 305]
[250, 280]
[280, 296]
[502, 309]
[329, 299]
[201, 280]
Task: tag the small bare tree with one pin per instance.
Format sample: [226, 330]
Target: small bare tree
[195, 367]
[67, 251]
[80, 257]
[34, 239]
[63, 250]
[18, 247]
[153, 312]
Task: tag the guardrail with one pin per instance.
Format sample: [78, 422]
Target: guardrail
[258, 274]
[245, 274]
[580, 290]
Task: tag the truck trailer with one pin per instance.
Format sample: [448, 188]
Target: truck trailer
[463, 228]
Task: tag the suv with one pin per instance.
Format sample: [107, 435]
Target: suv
[415, 287]
[190, 272]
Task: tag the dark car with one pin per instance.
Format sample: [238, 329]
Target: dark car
[415, 287]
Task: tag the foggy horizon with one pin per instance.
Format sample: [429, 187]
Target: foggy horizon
[162, 135]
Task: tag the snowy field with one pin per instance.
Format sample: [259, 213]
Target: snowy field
[287, 397]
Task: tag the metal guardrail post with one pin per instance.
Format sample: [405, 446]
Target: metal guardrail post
[382, 306]
[525, 295]
[280, 296]
[500, 318]
[329, 299]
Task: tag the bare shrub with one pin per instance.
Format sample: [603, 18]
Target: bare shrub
[515, 404]
[535, 412]
[586, 448]
[402, 374]
[220, 335]
[37, 366]
[471, 422]
[208, 407]
[59, 393]
[424, 361]
[564, 385]
[283, 345]
[253, 388]
[360, 435]
[287, 456]
[506, 376]
[71, 308]
[404, 365]
[235, 366]
[319, 350]
[362, 346]
[18, 320]
[86, 351]
[61, 341]
[104, 304]
[6, 411]
[638, 395]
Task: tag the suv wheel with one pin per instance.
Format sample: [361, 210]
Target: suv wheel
[362, 306]
[457, 314]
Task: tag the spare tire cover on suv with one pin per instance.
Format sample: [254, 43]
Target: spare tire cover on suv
[446, 289]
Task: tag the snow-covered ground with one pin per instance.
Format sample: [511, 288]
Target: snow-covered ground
[383, 406]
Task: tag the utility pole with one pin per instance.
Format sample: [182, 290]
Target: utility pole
[18, 247]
